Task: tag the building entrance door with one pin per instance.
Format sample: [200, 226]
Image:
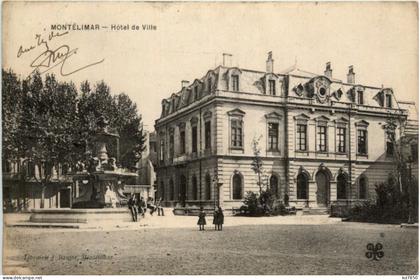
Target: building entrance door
[323, 187]
[65, 198]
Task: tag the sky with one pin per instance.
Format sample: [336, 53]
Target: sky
[380, 39]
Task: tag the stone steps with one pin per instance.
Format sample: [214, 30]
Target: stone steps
[316, 211]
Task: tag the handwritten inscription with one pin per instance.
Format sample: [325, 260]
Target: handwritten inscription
[51, 58]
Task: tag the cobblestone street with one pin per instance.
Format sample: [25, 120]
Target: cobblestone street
[173, 245]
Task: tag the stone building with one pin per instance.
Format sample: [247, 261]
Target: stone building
[323, 141]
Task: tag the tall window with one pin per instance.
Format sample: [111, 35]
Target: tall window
[363, 188]
[322, 138]
[207, 135]
[237, 186]
[388, 99]
[362, 141]
[390, 143]
[161, 148]
[235, 83]
[208, 188]
[194, 188]
[194, 139]
[182, 142]
[341, 141]
[273, 136]
[171, 146]
[209, 85]
[302, 186]
[341, 186]
[360, 97]
[272, 87]
[236, 133]
[301, 137]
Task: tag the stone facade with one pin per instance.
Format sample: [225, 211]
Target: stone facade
[322, 140]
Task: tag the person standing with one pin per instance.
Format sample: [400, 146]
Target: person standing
[216, 218]
[132, 206]
[159, 207]
[201, 219]
[220, 219]
[141, 206]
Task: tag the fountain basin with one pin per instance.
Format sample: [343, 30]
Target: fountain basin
[85, 216]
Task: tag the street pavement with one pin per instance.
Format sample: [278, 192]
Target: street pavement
[173, 245]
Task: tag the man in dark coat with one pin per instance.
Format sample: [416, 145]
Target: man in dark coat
[132, 207]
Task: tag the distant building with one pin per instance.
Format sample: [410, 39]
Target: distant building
[323, 141]
[144, 184]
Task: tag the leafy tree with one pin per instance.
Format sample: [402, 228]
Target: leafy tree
[46, 128]
[11, 110]
[257, 163]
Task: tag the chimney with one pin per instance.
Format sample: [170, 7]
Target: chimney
[270, 63]
[328, 70]
[184, 83]
[227, 60]
[351, 75]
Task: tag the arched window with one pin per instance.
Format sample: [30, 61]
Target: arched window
[274, 185]
[162, 190]
[194, 188]
[171, 190]
[237, 186]
[302, 186]
[363, 188]
[208, 188]
[341, 186]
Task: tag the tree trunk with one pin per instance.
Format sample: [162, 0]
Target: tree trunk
[43, 196]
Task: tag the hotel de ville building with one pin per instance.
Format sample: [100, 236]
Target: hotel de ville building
[322, 140]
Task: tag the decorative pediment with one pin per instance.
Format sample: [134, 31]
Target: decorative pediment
[362, 123]
[236, 113]
[341, 122]
[181, 125]
[301, 117]
[194, 120]
[273, 115]
[322, 118]
[207, 114]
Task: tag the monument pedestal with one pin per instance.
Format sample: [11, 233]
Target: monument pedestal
[85, 216]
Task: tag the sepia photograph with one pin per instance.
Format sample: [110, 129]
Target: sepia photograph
[210, 138]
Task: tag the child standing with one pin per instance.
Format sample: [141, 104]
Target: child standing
[201, 219]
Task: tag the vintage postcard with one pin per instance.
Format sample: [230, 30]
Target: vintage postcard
[210, 138]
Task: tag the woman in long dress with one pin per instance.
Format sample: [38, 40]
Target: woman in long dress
[201, 219]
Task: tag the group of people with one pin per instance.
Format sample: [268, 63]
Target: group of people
[218, 219]
[139, 207]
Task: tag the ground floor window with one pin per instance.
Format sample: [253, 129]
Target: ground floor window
[302, 186]
[341, 186]
[208, 187]
[194, 188]
[237, 186]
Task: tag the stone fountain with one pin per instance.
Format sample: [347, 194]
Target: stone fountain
[97, 185]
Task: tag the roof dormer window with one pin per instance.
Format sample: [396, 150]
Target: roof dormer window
[235, 82]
